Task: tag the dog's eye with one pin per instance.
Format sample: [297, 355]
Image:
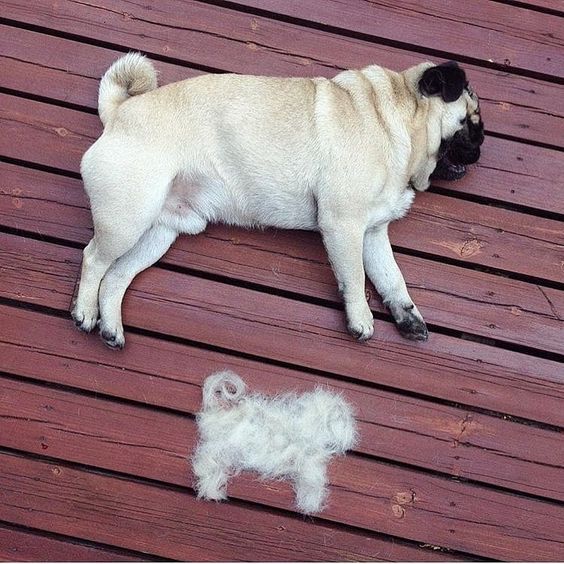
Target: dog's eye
[463, 121]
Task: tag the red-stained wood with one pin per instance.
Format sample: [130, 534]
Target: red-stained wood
[155, 445]
[155, 372]
[364, 494]
[284, 330]
[173, 524]
[440, 225]
[466, 300]
[28, 134]
[554, 5]
[483, 235]
[490, 31]
[517, 174]
[67, 70]
[87, 422]
[519, 106]
[25, 546]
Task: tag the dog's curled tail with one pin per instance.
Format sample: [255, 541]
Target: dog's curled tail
[130, 75]
[222, 390]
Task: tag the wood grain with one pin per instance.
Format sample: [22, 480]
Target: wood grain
[278, 328]
[522, 107]
[362, 494]
[493, 32]
[153, 444]
[554, 5]
[172, 523]
[24, 546]
[155, 372]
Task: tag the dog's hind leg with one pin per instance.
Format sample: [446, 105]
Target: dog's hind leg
[211, 475]
[383, 271]
[121, 214]
[152, 245]
[98, 256]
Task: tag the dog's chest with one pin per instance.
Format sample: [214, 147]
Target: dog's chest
[389, 207]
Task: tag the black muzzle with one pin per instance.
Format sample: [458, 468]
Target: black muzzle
[462, 149]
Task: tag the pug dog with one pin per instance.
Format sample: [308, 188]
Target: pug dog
[343, 156]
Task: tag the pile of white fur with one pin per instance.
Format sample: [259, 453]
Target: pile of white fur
[288, 436]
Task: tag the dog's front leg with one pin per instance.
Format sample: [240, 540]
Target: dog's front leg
[152, 245]
[387, 278]
[344, 241]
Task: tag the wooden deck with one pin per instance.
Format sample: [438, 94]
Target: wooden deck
[461, 454]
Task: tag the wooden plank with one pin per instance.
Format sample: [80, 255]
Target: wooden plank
[465, 231]
[25, 546]
[516, 174]
[445, 367]
[490, 31]
[553, 5]
[364, 494]
[173, 524]
[483, 235]
[154, 372]
[68, 132]
[512, 105]
[486, 305]
[155, 445]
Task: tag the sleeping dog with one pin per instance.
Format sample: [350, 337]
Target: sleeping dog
[343, 156]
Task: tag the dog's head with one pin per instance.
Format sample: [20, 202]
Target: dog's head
[462, 129]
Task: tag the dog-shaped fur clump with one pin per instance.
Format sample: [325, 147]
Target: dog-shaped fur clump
[289, 436]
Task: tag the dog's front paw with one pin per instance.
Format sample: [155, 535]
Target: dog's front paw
[410, 323]
[113, 337]
[85, 319]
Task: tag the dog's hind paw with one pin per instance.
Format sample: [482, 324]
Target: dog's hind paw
[85, 320]
[361, 331]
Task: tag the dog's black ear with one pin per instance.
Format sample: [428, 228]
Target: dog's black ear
[446, 80]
